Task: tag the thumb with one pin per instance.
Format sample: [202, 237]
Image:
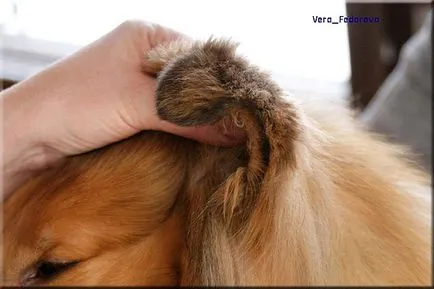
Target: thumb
[223, 133]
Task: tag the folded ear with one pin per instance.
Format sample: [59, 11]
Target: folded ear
[232, 204]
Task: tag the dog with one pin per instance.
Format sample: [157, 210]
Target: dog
[310, 197]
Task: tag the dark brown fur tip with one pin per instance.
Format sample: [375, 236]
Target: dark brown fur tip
[203, 85]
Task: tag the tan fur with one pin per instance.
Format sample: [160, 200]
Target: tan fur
[309, 199]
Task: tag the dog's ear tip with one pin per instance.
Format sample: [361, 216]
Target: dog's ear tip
[161, 55]
[210, 81]
[220, 44]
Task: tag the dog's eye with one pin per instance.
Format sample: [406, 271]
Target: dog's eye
[45, 271]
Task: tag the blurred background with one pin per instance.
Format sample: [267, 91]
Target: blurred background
[345, 62]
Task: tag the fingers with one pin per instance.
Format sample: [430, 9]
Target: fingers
[224, 133]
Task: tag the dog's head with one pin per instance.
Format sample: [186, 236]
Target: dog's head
[157, 209]
[100, 217]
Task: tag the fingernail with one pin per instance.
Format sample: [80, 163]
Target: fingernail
[232, 130]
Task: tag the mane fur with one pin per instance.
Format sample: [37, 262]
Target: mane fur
[318, 200]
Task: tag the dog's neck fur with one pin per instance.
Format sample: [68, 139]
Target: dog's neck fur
[343, 209]
[341, 217]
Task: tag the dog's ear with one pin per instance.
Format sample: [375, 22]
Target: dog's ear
[233, 193]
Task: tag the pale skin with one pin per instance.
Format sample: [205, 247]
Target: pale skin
[97, 96]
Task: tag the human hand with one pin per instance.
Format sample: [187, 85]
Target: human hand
[95, 97]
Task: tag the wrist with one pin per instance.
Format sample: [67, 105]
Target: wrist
[23, 154]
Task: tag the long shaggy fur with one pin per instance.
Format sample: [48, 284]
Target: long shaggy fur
[309, 199]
